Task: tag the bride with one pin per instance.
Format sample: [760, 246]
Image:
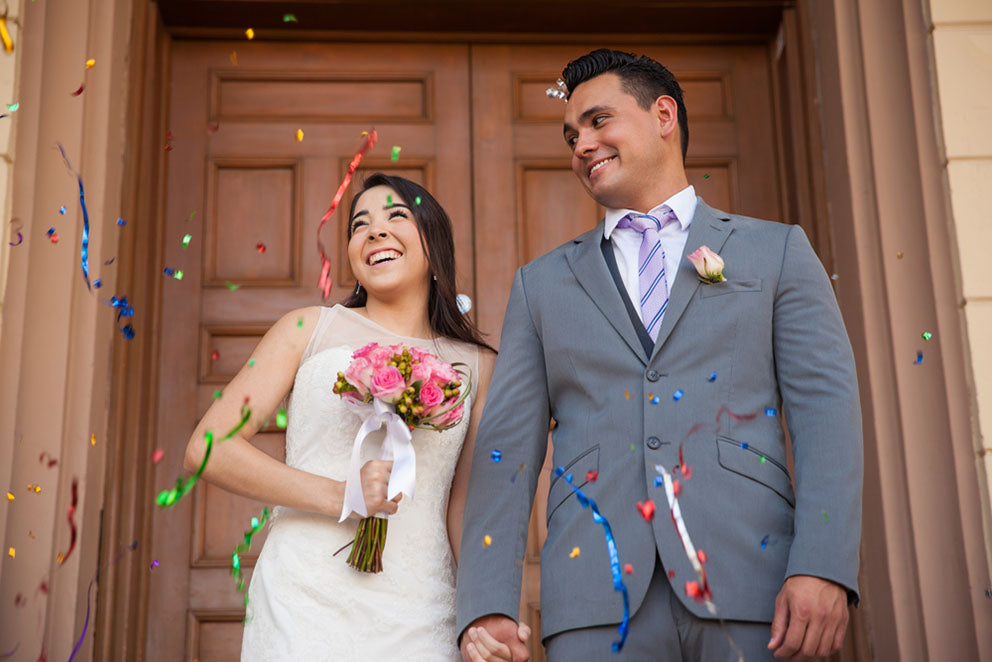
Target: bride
[304, 603]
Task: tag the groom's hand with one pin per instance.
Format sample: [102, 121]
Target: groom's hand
[495, 637]
[810, 618]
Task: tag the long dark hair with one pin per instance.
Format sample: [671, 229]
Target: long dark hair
[642, 78]
[434, 228]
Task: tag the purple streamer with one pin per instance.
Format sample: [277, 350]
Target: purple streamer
[86, 623]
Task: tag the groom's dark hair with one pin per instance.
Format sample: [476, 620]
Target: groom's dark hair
[436, 238]
[642, 78]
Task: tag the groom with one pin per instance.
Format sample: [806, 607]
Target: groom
[642, 365]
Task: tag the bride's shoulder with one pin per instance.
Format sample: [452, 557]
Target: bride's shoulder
[298, 325]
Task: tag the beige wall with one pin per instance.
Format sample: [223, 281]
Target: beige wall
[961, 37]
[9, 91]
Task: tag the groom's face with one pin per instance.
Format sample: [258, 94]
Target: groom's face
[617, 149]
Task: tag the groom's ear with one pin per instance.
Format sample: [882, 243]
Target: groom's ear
[666, 111]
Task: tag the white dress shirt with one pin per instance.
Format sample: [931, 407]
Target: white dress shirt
[627, 241]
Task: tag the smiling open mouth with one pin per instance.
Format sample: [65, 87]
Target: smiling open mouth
[382, 256]
[601, 164]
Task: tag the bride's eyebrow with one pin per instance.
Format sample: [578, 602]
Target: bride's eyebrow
[359, 213]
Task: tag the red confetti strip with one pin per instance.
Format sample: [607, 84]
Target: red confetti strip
[260, 247]
[325, 265]
[646, 509]
[157, 456]
[51, 460]
[215, 355]
[591, 476]
[72, 524]
[79, 91]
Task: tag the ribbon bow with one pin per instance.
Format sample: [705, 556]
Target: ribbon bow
[396, 446]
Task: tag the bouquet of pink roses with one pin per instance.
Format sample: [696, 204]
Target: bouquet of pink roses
[401, 388]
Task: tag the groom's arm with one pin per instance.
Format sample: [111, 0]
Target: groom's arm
[500, 494]
[818, 383]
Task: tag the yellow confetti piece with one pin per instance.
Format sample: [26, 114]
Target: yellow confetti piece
[488, 540]
[626, 394]
[10, 496]
[299, 135]
[59, 558]
[8, 45]
[575, 552]
[899, 255]
[250, 33]
[34, 488]
[92, 440]
[11, 552]
[234, 58]
[90, 63]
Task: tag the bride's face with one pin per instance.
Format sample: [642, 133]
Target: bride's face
[385, 251]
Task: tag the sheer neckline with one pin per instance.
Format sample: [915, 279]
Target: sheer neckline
[380, 327]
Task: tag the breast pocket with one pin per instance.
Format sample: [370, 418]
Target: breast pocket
[560, 491]
[707, 290]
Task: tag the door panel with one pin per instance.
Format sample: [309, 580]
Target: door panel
[251, 196]
[522, 166]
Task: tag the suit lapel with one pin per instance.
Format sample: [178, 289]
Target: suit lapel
[586, 261]
[708, 228]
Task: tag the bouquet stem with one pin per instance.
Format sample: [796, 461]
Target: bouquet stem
[370, 540]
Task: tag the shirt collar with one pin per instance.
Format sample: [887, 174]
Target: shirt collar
[682, 203]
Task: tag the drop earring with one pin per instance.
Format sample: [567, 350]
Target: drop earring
[358, 288]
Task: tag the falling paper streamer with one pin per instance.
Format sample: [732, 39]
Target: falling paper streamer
[86, 623]
[611, 547]
[257, 523]
[20, 237]
[85, 247]
[325, 269]
[72, 522]
[8, 44]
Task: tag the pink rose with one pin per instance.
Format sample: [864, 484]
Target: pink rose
[451, 417]
[430, 396]
[380, 357]
[708, 265]
[388, 384]
[444, 373]
[359, 375]
[366, 351]
[420, 372]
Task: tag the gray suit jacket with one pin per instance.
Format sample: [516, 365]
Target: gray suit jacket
[773, 334]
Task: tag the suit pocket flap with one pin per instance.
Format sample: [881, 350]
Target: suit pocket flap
[742, 458]
[729, 286]
[579, 467]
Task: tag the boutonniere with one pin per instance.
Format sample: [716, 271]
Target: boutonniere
[708, 265]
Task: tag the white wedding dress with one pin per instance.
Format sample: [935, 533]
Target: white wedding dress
[305, 604]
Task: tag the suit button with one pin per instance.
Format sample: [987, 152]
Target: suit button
[654, 443]
[653, 375]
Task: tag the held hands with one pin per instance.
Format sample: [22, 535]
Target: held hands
[496, 638]
[810, 618]
[375, 487]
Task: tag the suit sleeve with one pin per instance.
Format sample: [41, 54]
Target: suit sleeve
[500, 494]
[818, 383]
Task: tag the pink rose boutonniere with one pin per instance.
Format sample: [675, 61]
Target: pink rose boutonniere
[709, 265]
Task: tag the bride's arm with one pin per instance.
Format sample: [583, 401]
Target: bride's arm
[238, 466]
[459, 486]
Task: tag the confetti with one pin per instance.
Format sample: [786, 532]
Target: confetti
[899, 255]
[395, 156]
[761, 459]
[591, 476]
[655, 400]
[289, 18]
[826, 518]
[926, 335]
[124, 311]
[671, 574]
[299, 323]
[168, 141]
[834, 276]
[12, 107]
[497, 456]
[698, 590]
[299, 135]
[256, 525]
[170, 497]
[919, 357]
[97, 284]
[389, 201]
[79, 90]
[677, 395]
[86, 623]
[658, 480]
[8, 44]
[72, 523]
[34, 488]
[764, 542]
[53, 236]
[90, 63]
[744, 445]
[10, 496]
[706, 176]
[251, 361]
[20, 237]
[231, 286]
[574, 553]
[153, 565]
[770, 412]
[324, 283]
[215, 355]
[93, 440]
[487, 540]
[234, 58]
[85, 243]
[628, 569]
[464, 303]
[260, 247]
[281, 418]
[121, 221]
[611, 547]
[626, 394]
[51, 460]
[676, 487]
[11, 552]
[178, 275]
[416, 201]
[712, 378]
[186, 239]
[157, 455]
[646, 508]
[250, 34]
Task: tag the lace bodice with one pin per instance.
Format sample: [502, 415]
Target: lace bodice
[305, 604]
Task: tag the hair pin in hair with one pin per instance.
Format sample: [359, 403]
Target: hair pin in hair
[559, 92]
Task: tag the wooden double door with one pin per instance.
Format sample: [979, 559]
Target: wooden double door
[473, 124]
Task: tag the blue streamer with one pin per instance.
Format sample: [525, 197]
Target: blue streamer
[611, 546]
[124, 310]
[84, 251]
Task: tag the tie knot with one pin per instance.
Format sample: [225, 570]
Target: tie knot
[644, 222]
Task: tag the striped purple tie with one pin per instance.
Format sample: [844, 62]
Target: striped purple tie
[653, 287]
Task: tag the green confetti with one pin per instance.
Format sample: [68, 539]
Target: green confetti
[12, 107]
[231, 286]
[761, 459]
[217, 394]
[256, 525]
[186, 239]
[299, 323]
[178, 275]
[633, 448]
[706, 176]
[389, 201]
[251, 361]
[396, 153]
[281, 418]
[826, 518]
[417, 201]
[289, 18]
[926, 335]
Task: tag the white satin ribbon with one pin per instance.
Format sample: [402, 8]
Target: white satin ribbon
[396, 446]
